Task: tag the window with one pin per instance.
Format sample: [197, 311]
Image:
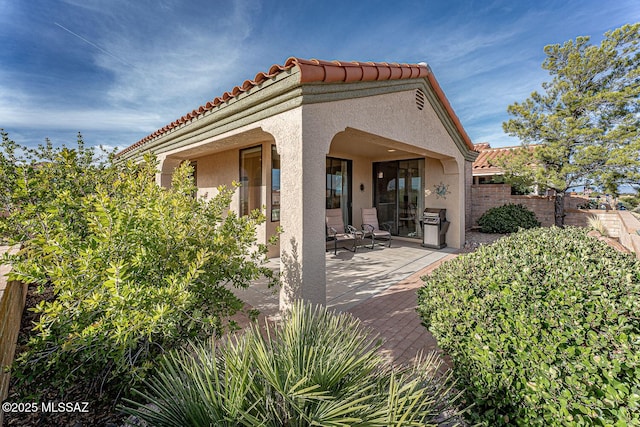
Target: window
[194, 165]
[275, 184]
[338, 194]
[250, 179]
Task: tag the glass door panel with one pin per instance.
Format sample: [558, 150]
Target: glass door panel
[410, 180]
[398, 196]
[251, 179]
[386, 194]
[339, 186]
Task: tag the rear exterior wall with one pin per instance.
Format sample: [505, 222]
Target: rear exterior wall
[487, 196]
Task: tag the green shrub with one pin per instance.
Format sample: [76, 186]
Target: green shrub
[507, 219]
[315, 368]
[135, 270]
[543, 329]
[35, 181]
[630, 201]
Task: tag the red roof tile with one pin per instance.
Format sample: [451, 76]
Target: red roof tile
[314, 70]
[485, 163]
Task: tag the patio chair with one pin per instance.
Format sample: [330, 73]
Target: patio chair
[372, 228]
[339, 233]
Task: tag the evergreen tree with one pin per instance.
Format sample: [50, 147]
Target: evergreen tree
[585, 120]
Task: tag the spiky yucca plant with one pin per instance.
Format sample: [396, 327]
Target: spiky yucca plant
[314, 368]
[596, 223]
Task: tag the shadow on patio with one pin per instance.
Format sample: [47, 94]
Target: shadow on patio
[354, 277]
[377, 286]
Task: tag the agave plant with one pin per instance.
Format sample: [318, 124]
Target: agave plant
[313, 368]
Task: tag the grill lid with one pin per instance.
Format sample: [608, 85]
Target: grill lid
[435, 213]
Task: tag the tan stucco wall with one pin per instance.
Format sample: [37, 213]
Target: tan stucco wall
[303, 136]
[223, 169]
[302, 201]
[218, 169]
[392, 116]
[435, 174]
[396, 119]
[362, 173]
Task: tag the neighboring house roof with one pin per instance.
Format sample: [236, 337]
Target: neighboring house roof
[484, 165]
[317, 71]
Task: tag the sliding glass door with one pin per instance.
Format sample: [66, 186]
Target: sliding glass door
[398, 195]
[386, 194]
[339, 186]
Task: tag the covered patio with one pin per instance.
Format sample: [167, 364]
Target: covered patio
[353, 278]
[314, 135]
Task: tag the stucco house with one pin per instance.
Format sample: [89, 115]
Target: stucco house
[485, 168]
[310, 135]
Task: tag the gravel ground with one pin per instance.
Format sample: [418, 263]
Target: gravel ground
[476, 238]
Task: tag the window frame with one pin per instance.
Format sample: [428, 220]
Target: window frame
[240, 179]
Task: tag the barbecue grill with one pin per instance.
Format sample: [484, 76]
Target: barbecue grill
[435, 226]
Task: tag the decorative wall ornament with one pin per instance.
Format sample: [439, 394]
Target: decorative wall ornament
[441, 190]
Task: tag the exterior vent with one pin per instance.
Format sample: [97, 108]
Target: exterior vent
[419, 99]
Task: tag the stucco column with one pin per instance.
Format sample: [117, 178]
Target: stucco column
[451, 173]
[468, 182]
[302, 209]
[166, 166]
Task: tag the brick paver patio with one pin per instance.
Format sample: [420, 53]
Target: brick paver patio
[392, 314]
[379, 287]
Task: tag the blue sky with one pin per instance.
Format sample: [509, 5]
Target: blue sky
[116, 70]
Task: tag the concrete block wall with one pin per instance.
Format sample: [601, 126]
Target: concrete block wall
[629, 226]
[577, 218]
[487, 196]
[618, 224]
[13, 296]
[610, 219]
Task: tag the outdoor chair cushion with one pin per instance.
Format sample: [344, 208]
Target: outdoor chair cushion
[339, 233]
[371, 227]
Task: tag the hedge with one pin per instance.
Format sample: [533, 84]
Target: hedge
[543, 329]
[507, 219]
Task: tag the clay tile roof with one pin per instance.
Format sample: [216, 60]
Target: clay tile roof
[481, 146]
[485, 162]
[315, 70]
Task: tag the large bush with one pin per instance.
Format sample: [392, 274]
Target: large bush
[33, 181]
[543, 329]
[507, 219]
[315, 368]
[133, 270]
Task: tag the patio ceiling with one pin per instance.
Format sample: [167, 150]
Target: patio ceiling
[240, 140]
[359, 143]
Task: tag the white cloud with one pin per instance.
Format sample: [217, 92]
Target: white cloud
[155, 60]
[180, 69]
[80, 119]
[155, 79]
